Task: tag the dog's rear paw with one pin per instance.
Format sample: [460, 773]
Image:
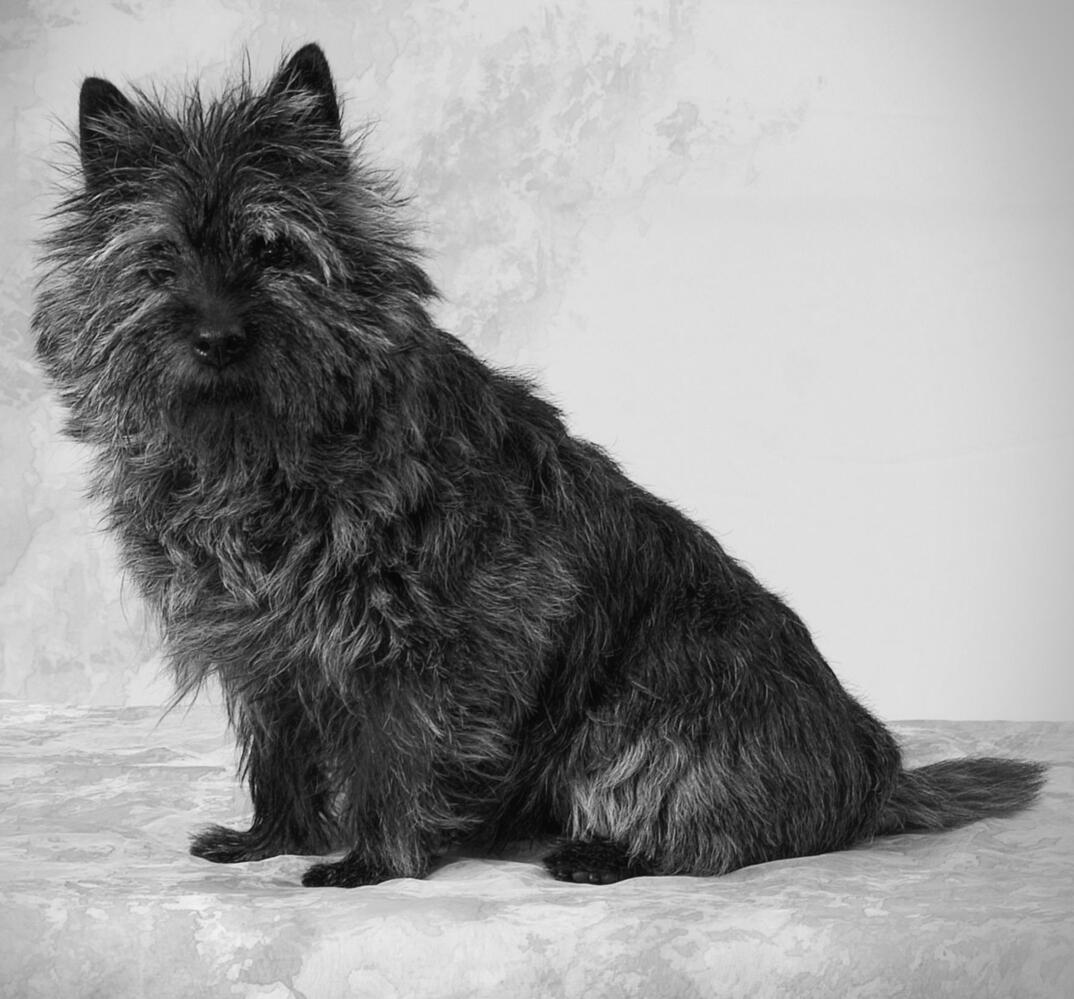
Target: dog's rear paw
[593, 862]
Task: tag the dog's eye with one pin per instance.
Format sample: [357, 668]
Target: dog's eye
[159, 264]
[273, 251]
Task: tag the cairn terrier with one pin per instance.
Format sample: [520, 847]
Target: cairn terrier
[437, 618]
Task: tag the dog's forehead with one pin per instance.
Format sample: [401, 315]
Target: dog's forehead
[213, 199]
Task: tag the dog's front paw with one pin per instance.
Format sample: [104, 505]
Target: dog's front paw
[345, 873]
[357, 869]
[231, 846]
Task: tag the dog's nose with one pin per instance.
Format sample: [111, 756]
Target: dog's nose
[218, 344]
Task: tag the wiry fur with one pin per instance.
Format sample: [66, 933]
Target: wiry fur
[436, 616]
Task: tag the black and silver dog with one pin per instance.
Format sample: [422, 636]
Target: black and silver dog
[437, 617]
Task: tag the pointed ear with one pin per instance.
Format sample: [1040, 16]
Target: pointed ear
[100, 106]
[307, 70]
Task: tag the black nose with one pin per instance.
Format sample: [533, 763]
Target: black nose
[217, 345]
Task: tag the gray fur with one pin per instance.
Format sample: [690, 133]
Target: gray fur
[435, 615]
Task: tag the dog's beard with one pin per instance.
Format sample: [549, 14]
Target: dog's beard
[226, 424]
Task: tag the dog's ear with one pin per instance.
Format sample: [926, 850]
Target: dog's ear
[103, 116]
[307, 71]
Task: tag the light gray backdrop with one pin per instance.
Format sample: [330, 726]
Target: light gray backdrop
[804, 268]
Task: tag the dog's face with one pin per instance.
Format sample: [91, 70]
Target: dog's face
[224, 267]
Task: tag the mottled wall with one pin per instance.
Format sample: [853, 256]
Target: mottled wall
[805, 268]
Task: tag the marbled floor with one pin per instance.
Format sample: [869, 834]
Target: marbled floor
[100, 898]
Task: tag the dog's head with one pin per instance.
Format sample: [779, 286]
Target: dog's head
[226, 273]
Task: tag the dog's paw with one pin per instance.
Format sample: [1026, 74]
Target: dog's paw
[345, 873]
[231, 846]
[594, 862]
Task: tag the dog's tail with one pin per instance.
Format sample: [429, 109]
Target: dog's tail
[955, 792]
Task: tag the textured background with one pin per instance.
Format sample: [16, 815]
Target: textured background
[804, 268]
